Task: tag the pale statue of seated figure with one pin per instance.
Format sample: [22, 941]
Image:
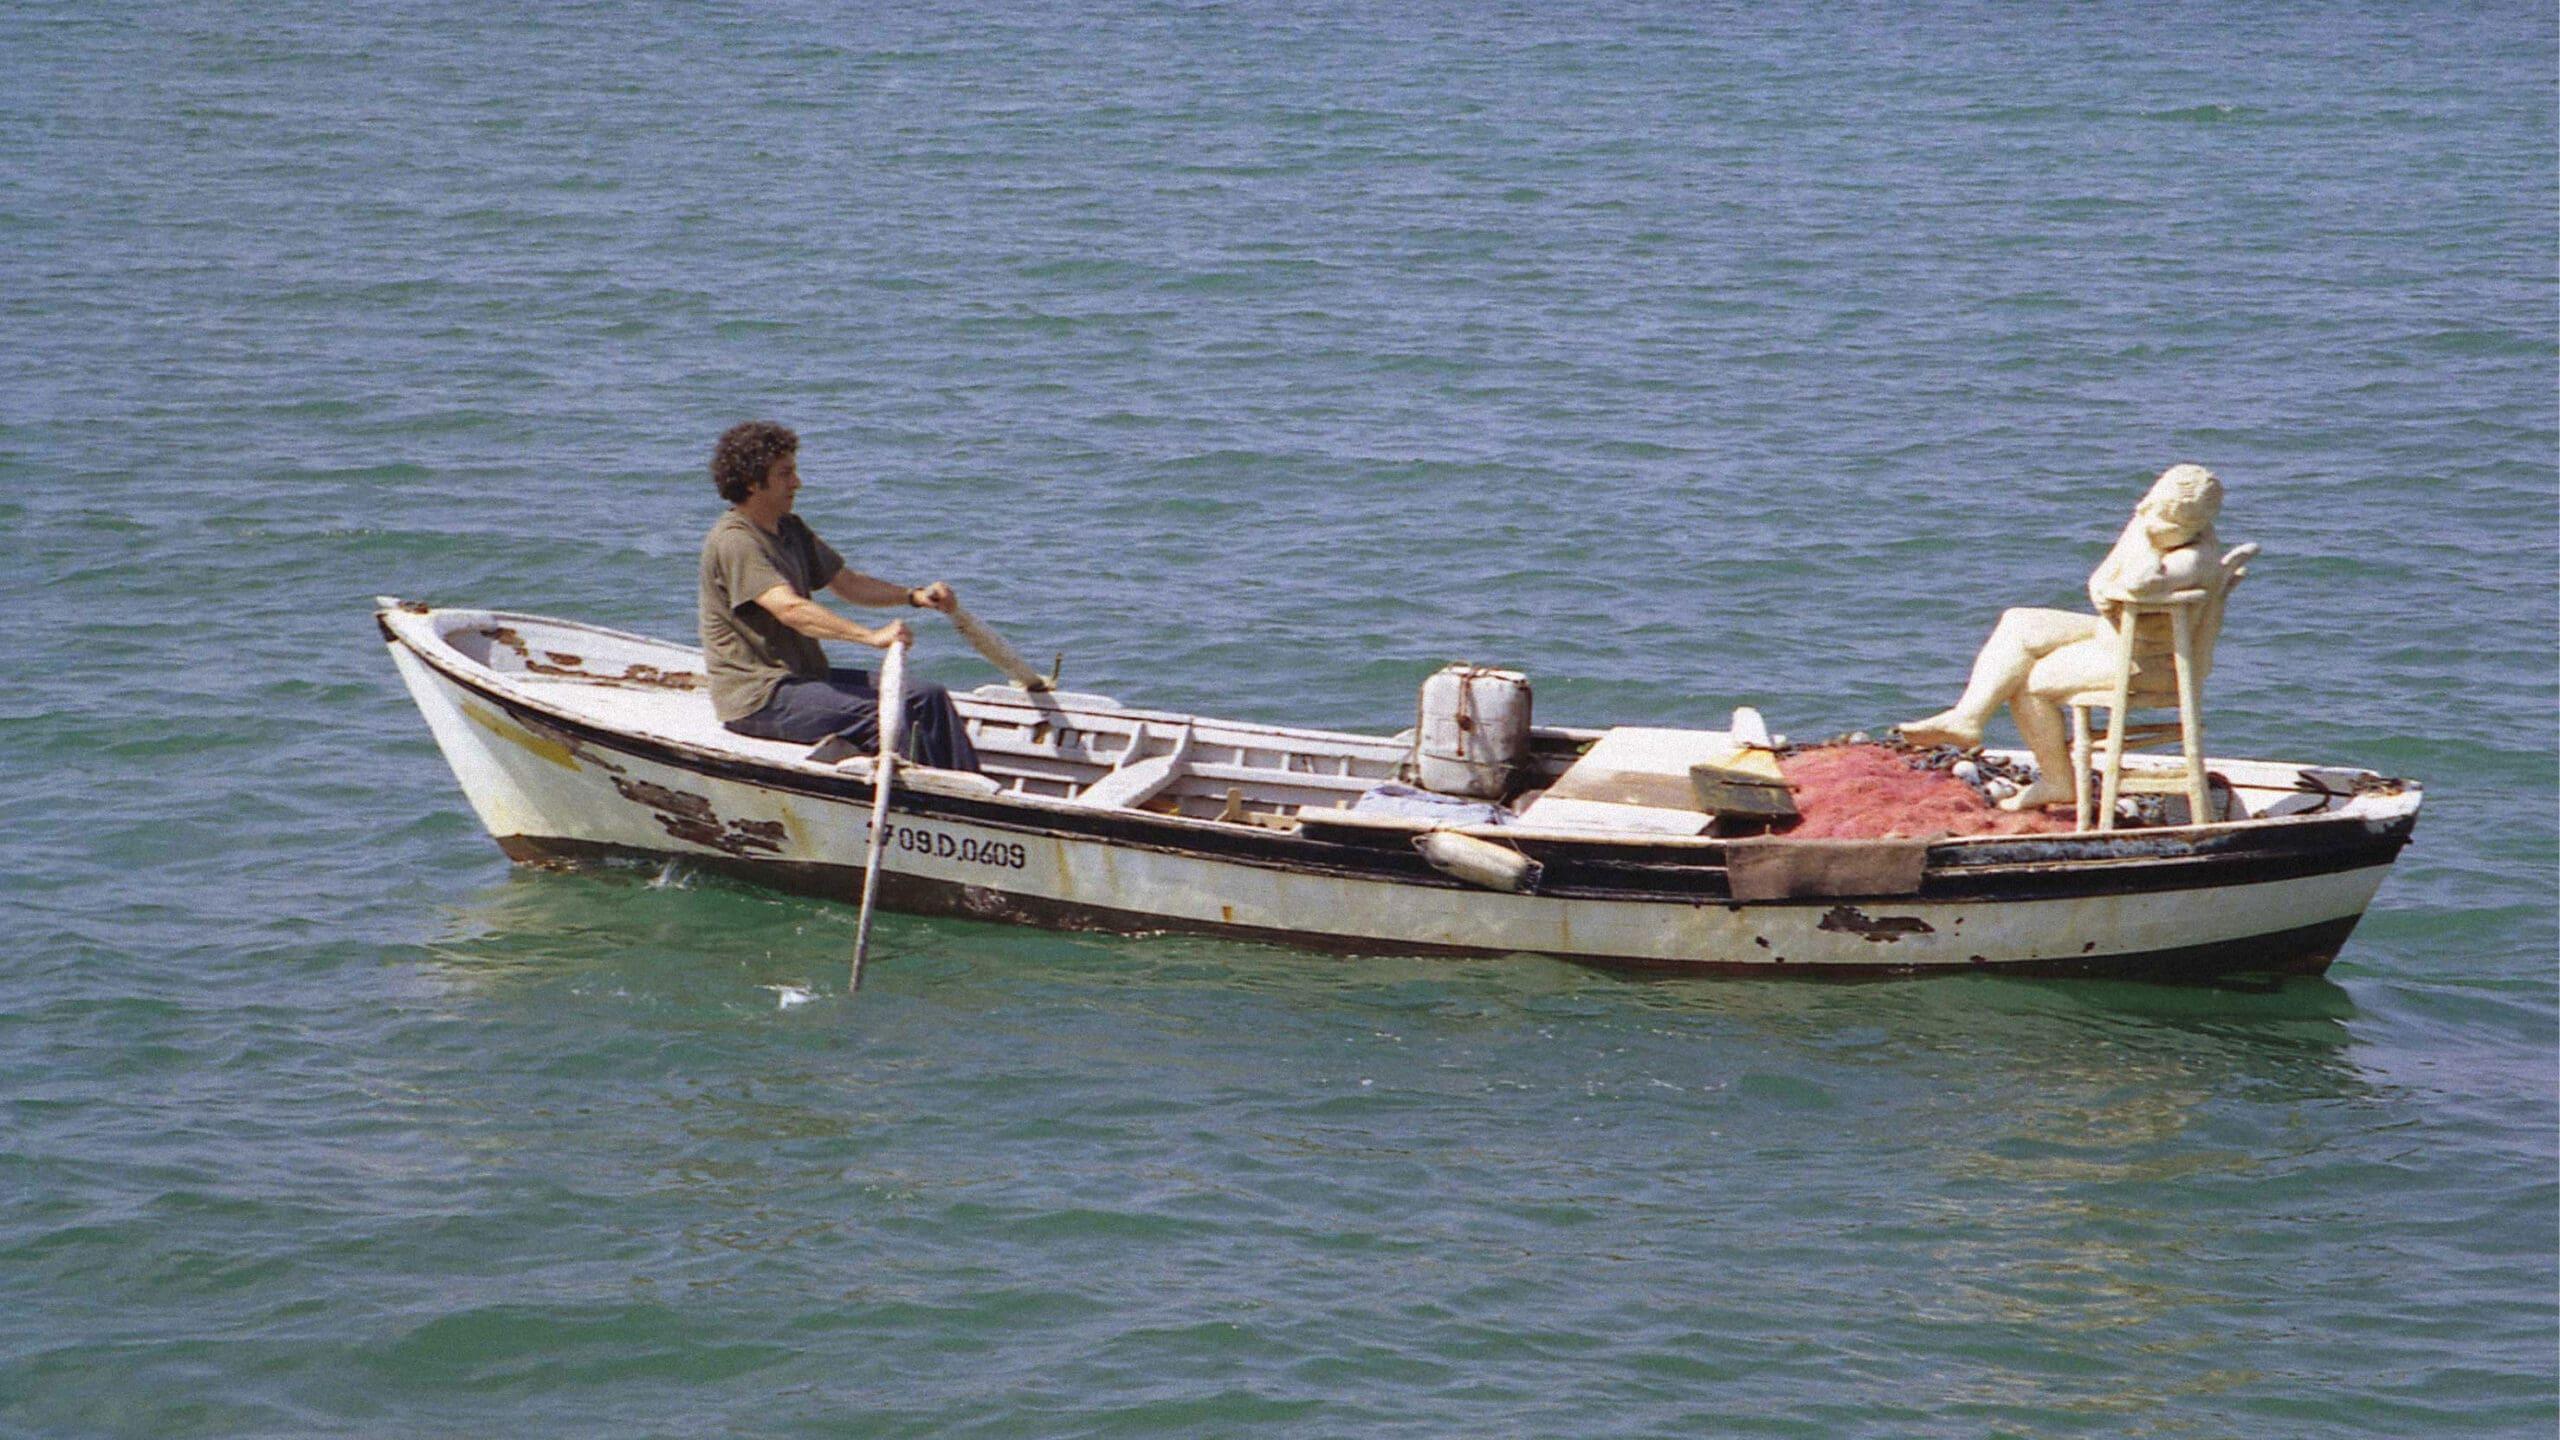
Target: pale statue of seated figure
[2037, 659]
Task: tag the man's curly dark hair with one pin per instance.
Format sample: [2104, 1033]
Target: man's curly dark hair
[745, 453]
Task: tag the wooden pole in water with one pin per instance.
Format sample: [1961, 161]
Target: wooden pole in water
[893, 712]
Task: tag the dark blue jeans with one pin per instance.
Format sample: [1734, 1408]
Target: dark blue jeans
[846, 703]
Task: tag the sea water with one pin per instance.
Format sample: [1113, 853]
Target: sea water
[1260, 359]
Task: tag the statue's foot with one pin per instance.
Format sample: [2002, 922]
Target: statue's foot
[2039, 795]
[1943, 728]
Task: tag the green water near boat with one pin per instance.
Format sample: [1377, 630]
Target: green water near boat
[1261, 364]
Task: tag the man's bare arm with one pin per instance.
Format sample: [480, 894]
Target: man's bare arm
[820, 623]
[861, 589]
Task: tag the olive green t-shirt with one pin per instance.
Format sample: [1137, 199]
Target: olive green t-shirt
[746, 650]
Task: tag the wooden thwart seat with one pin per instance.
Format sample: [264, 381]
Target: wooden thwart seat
[1134, 782]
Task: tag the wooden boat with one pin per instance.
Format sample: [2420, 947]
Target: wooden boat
[575, 744]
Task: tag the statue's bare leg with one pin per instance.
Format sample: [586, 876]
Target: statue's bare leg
[2040, 721]
[2000, 672]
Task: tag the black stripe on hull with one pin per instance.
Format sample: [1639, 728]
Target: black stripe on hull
[2064, 867]
[2305, 950]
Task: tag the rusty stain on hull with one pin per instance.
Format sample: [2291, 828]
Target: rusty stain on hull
[566, 666]
[560, 748]
[545, 747]
[655, 678]
[1850, 920]
[690, 818]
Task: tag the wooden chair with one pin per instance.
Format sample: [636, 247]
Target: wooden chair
[2195, 622]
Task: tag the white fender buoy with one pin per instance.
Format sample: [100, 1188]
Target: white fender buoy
[1478, 862]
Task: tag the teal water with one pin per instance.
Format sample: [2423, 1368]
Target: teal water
[1260, 359]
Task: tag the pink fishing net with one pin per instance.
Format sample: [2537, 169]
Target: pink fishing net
[1870, 792]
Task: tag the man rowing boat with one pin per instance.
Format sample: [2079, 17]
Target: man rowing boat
[761, 627]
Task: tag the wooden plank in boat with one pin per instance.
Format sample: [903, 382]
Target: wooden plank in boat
[1636, 765]
[1601, 817]
[1808, 869]
[1354, 820]
[1732, 791]
[1134, 782]
[1634, 778]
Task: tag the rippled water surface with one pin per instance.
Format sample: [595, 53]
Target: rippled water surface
[1260, 359]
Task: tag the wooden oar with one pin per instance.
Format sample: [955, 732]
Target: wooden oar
[999, 654]
[893, 710]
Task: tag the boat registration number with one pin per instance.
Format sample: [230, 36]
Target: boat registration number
[915, 840]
